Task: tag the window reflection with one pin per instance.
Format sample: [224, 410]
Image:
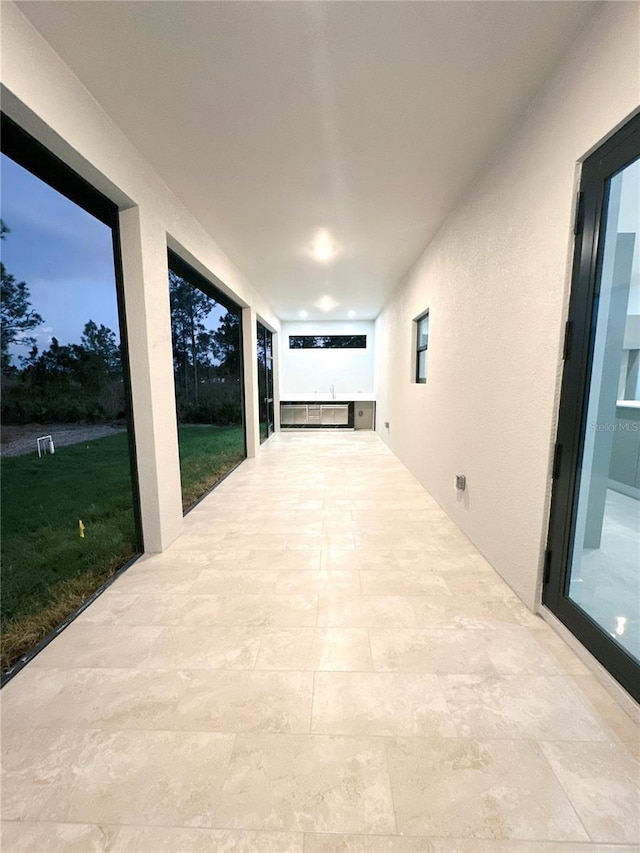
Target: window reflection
[207, 366]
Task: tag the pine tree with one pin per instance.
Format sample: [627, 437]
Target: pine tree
[16, 314]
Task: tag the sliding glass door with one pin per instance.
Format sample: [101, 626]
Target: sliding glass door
[593, 577]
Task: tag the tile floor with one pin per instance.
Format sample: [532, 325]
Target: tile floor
[321, 663]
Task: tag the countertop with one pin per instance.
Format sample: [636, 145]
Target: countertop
[357, 396]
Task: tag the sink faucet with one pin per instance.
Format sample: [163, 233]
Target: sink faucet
[333, 392]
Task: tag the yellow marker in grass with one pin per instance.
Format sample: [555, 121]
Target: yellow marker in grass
[81, 527]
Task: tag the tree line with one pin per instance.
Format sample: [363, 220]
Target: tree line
[83, 382]
[207, 362]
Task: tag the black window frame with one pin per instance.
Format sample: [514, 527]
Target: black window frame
[25, 150]
[302, 342]
[189, 273]
[196, 279]
[32, 155]
[265, 337]
[421, 380]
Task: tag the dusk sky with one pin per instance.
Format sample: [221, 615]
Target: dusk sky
[63, 254]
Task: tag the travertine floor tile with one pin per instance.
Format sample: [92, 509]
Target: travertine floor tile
[318, 649]
[291, 560]
[401, 582]
[22, 836]
[608, 712]
[285, 648]
[328, 583]
[205, 647]
[235, 581]
[448, 611]
[380, 704]
[159, 778]
[602, 781]
[307, 782]
[480, 789]
[337, 649]
[247, 701]
[436, 650]
[109, 608]
[483, 583]
[135, 839]
[351, 611]
[106, 699]
[174, 562]
[176, 609]
[334, 843]
[323, 662]
[252, 542]
[383, 541]
[199, 542]
[336, 560]
[164, 577]
[269, 610]
[211, 525]
[302, 542]
[86, 644]
[282, 524]
[519, 706]
[559, 651]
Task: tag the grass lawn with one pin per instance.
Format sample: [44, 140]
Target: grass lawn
[48, 570]
[207, 453]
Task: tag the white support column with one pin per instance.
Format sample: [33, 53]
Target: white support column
[250, 357]
[144, 262]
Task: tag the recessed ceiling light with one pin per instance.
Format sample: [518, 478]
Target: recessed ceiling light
[323, 247]
[304, 314]
[326, 303]
[351, 315]
[323, 252]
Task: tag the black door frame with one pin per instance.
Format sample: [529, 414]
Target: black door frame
[621, 149]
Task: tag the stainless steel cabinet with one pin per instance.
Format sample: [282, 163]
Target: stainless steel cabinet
[335, 415]
[314, 414]
[291, 415]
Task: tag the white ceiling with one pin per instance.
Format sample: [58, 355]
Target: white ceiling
[270, 120]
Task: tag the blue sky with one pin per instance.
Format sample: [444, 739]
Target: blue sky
[63, 254]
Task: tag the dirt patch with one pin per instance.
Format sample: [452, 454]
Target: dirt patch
[20, 440]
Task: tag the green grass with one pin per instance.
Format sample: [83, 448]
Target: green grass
[207, 453]
[42, 502]
[48, 570]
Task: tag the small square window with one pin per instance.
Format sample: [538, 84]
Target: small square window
[422, 345]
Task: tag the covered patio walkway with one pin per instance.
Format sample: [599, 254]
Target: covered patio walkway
[322, 662]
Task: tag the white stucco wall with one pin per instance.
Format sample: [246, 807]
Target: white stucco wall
[42, 95]
[307, 374]
[496, 282]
